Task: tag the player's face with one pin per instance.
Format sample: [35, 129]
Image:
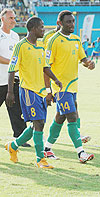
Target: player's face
[40, 30]
[68, 24]
[9, 20]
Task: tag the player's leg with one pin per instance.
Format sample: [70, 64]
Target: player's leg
[74, 132]
[92, 55]
[27, 133]
[34, 108]
[39, 114]
[15, 115]
[67, 109]
[39, 145]
[12, 147]
[54, 133]
[83, 138]
[97, 54]
[86, 53]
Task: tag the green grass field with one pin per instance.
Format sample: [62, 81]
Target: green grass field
[69, 177]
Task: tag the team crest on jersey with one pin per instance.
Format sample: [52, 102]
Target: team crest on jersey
[29, 48]
[48, 53]
[73, 52]
[14, 60]
[76, 46]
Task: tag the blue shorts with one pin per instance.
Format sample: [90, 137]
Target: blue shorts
[95, 54]
[65, 102]
[86, 52]
[33, 106]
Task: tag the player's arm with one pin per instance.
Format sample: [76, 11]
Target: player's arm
[88, 63]
[49, 97]
[13, 67]
[50, 74]
[4, 60]
[10, 100]
[93, 44]
[82, 57]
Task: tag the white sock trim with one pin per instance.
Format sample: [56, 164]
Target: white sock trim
[48, 145]
[15, 143]
[79, 129]
[79, 149]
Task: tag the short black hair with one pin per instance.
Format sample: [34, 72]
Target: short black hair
[62, 14]
[33, 22]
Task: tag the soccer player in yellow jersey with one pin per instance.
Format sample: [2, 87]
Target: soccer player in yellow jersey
[45, 38]
[28, 59]
[64, 51]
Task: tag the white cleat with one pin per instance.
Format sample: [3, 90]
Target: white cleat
[84, 157]
[49, 154]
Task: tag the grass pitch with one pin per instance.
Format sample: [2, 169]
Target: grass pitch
[69, 178]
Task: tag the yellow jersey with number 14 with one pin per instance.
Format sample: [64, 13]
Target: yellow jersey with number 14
[29, 60]
[63, 54]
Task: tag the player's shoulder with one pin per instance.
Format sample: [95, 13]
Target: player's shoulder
[20, 43]
[53, 40]
[74, 36]
[54, 36]
[40, 43]
[47, 35]
[53, 31]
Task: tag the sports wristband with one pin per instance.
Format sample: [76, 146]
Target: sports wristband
[48, 90]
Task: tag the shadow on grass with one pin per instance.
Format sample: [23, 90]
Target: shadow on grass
[58, 178]
[66, 155]
[96, 147]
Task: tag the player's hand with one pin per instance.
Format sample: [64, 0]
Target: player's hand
[49, 99]
[10, 100]
[58, 83]
[90, 64]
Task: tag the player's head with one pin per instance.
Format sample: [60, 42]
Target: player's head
[98, 39]
[35, 26]
[8, 18]
[58, 26]
[67, 21]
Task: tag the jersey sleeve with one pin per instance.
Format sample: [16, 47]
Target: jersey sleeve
[50, 53]
[15, 59]
[81, 52]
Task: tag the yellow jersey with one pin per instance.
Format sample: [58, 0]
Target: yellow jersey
[63, 54]
[29, 60]
[47, 35]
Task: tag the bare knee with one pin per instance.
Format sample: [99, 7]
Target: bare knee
[39, 125]
[71, 117]
[59, 118]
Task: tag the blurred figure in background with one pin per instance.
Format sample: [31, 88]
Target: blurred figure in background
[96, 49]
[85, 46]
